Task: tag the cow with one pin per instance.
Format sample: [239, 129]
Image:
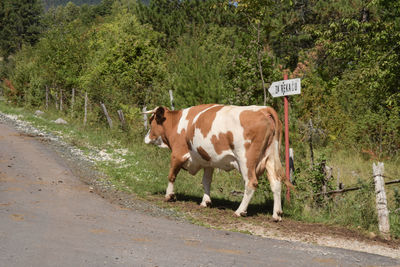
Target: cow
[209, 136]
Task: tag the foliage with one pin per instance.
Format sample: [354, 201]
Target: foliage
[54, 3]
[128, 54]
[20, 22]
[198, 68]
[125, 63]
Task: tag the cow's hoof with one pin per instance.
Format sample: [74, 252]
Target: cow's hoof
[170, 198]
[276, 218]
[241, 214]
[205, 204]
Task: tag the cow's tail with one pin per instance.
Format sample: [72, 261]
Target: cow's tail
[274, 143]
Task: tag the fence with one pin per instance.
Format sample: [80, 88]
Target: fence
[380, 193]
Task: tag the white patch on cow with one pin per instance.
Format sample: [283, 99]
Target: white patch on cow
[201, 112]
[158, 141]
[170, 189]
[248, 194]
[183, 122]
[207, 178]
[186, 156]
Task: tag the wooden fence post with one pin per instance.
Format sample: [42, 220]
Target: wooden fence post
[144, 117]
[381, 201]
[56, 100]
[106, 113]
[86, 102]
[291, 164]
[61, 100]
[121, 117]
[72, 102]
[327, 171]
[47, 97]
[171, 98]
[311, 129]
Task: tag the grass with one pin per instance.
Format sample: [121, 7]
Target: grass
[135, 167]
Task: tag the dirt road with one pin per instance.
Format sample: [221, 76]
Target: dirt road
[49, 217]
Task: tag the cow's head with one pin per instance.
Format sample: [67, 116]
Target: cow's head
[157, 131]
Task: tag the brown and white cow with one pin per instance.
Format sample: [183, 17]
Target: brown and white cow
[225, 137]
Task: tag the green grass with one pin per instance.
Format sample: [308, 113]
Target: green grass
[142, 169]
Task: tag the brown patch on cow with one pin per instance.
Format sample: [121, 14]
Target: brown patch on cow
[206, 119]
[203, 153]
[224, 141]
[193, 111]
[258, 129]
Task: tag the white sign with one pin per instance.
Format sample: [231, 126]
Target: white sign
[285, 87]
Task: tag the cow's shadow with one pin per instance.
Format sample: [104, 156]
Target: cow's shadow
[225, 204]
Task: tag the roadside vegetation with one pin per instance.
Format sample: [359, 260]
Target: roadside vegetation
[128, 55]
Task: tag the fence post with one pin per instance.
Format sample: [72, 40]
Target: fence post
[47, 97]
[121, 117]
[381, 201]
[106, 113]
[144, 117]
[171, 98]
[311, 129]
[61, 100]
[291, 164]
[72, 102]
[327, 171]
[86, 102]
[56, 95]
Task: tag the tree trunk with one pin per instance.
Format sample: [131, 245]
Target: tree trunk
[259, 59]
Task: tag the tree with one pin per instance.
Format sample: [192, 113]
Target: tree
[20, 22]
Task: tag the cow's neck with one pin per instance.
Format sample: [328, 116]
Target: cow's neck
[170, 127]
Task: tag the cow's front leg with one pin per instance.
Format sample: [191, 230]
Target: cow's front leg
[207, 178]
[176, 164]
[248, 195]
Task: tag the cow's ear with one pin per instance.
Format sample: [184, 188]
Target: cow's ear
[160, 115]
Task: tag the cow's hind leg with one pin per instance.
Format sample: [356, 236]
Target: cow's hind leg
[276, 189]
[207, 178]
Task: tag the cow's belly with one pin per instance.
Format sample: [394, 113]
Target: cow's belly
[226, 162]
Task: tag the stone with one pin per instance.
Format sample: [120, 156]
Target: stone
[39, 113]
[60, 121]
